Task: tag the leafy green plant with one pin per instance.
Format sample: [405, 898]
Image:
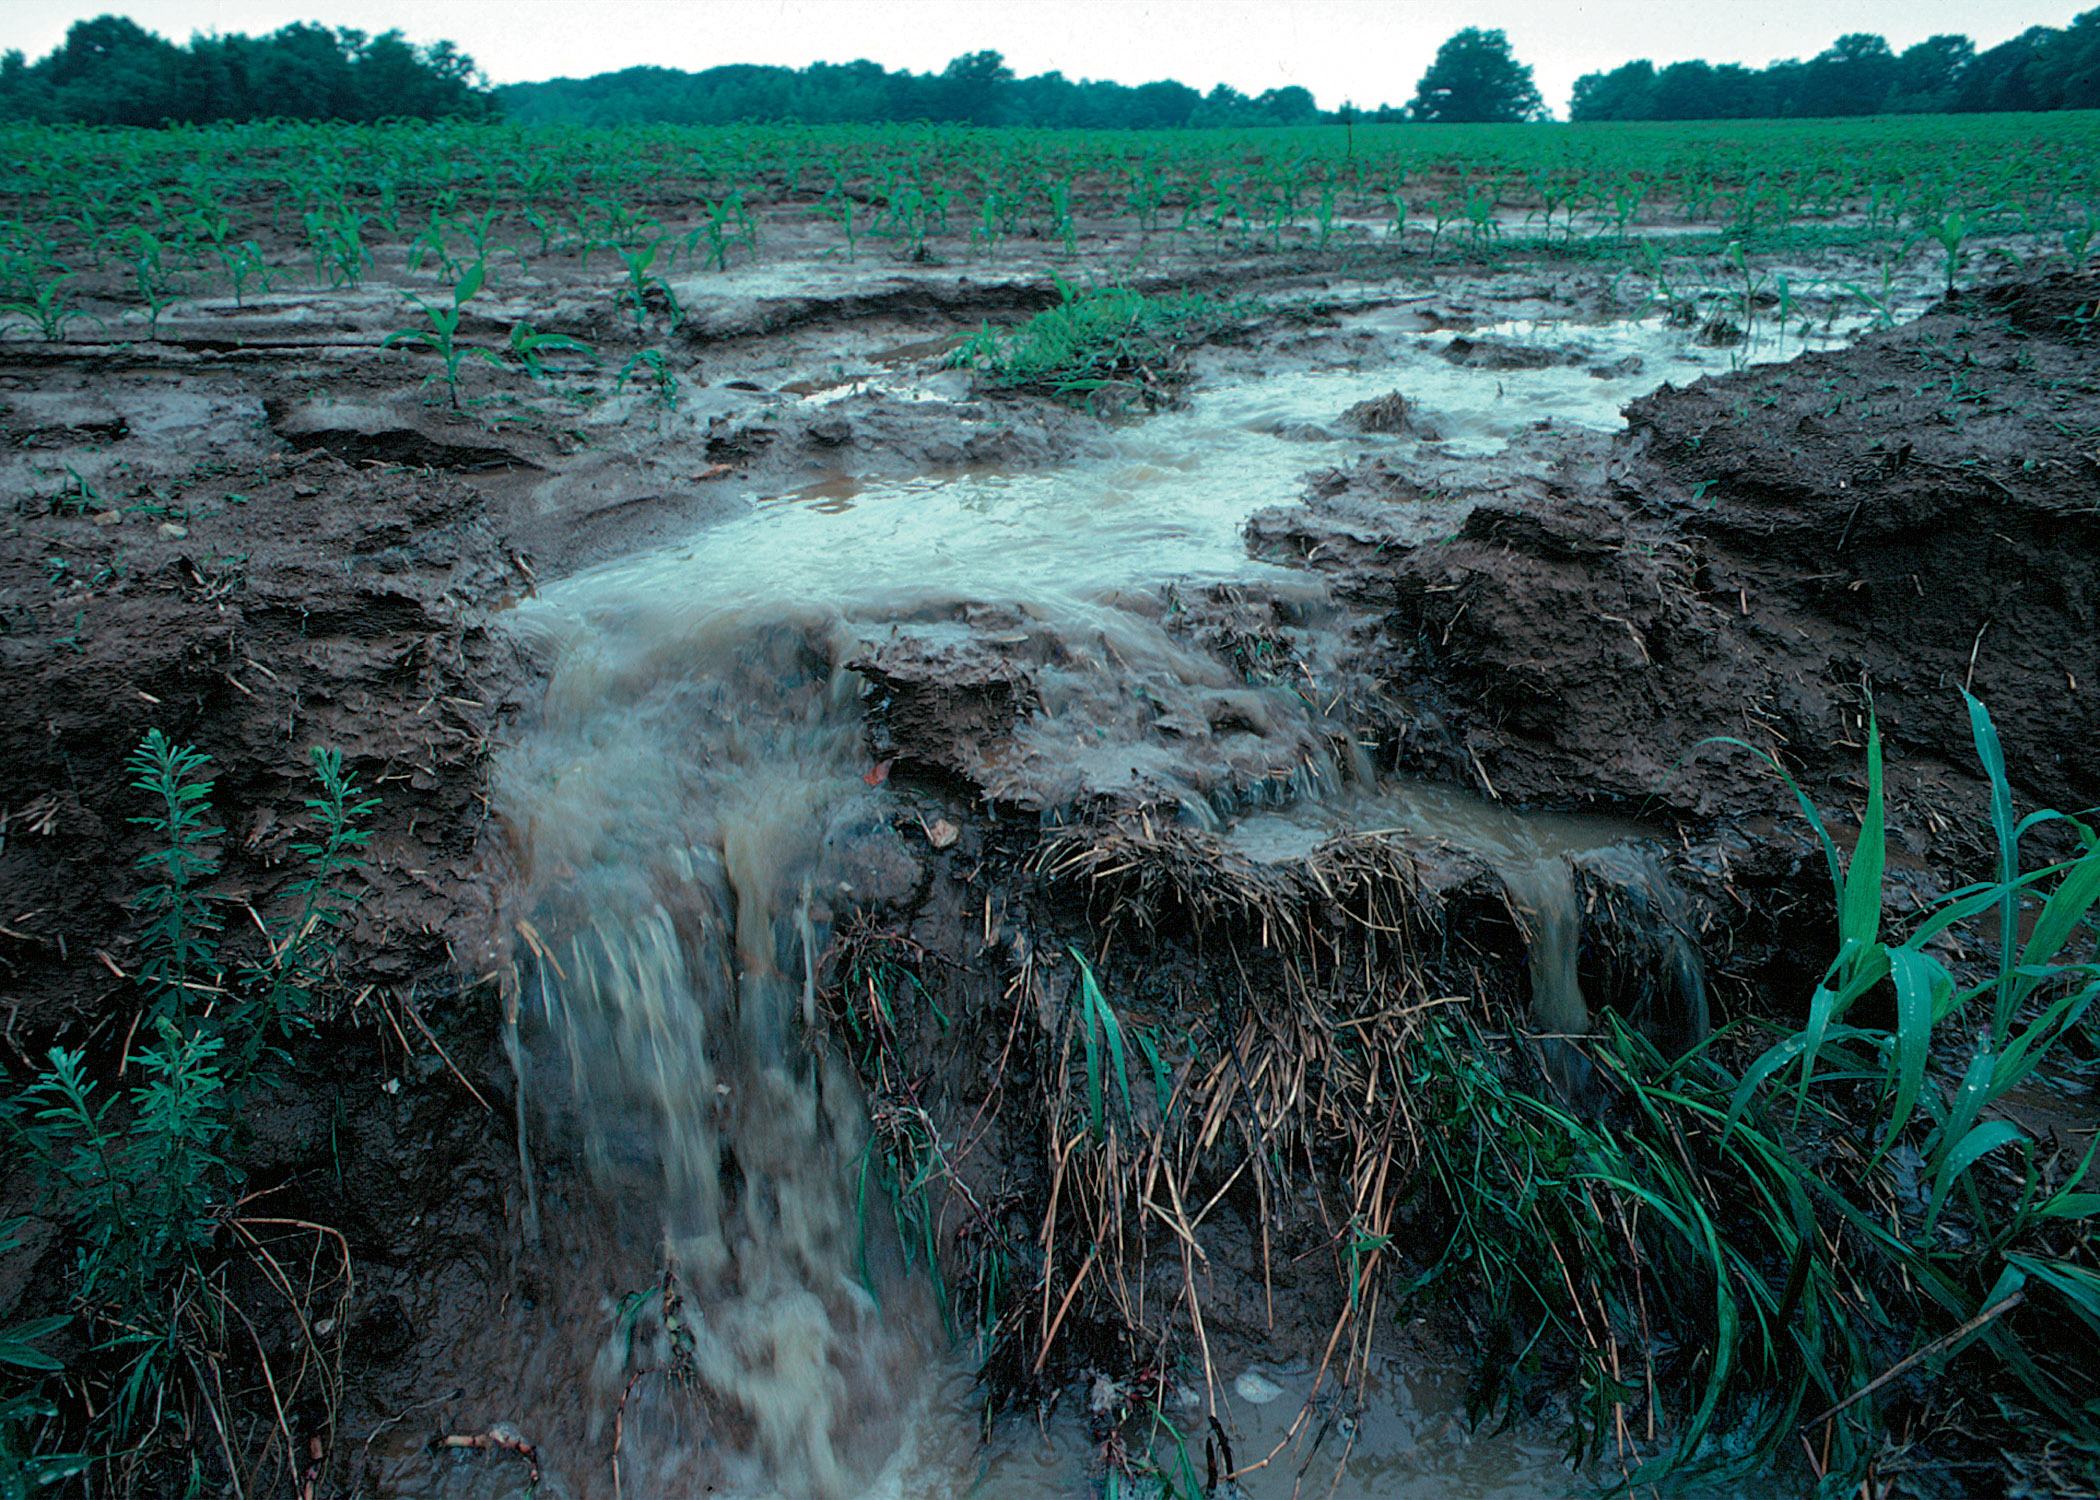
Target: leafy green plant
[442, 336]
[527, 346]
[337, 242]
[242, 263]
[1101, 1041]
[143, 1177]
[1949, 229]
[1100, 344]
[725, 224]
[142, 1195]
[181, 933]
[22, 1364]
[659, 371]
[49, 306]
[641, 282]
[1776, 1240]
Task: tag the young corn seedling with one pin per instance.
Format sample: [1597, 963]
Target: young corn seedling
[337, 241]
[442, 336]
[244, 262]
[155, 282]
[660, 372]
[1948, 231]
[431, 245]
[50, 307]
[527, 345]
[640, 283]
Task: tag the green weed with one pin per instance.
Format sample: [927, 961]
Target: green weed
[143, 1177]
[1109, 346]
[1775, 1241]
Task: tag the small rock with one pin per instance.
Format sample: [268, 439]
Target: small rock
[109, 518]
[172, 532]
[1256, 1390]
[942, 833]
[306, 491]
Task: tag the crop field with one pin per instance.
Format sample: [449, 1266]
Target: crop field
[140, 217]
[710, 810]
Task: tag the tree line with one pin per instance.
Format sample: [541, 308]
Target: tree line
[2043, 68]
[975, 89]
[111, 71]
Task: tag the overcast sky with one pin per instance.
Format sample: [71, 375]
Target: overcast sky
[1368, 51]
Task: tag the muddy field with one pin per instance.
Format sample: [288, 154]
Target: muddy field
[801, 657]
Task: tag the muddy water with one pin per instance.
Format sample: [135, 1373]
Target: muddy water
[694, 801]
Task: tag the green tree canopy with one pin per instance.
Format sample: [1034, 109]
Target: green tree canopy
[1476, 80]
[110, 71]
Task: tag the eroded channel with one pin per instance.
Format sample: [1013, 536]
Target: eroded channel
[698, 807]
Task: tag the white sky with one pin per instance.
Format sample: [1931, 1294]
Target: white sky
[1371, 51]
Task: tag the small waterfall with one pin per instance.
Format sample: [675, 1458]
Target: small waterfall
[684, 808]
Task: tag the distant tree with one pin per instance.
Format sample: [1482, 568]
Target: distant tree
[109, 71]
[1287, 106]
[1929, 74]
[1853, 77]
[1163, 103]
[1686, 91]
[2066, 68]
[970, 86]
[1476, 80]
[1223, 105]
[1625, 93]
[2002, 78]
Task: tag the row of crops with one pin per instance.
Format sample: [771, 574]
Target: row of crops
[243, 205]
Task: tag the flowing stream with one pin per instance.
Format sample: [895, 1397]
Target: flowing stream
[695, 801]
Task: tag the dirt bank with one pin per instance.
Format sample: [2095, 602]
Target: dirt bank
[263, 531]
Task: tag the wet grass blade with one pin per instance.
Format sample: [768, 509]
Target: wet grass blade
[1920, 981]
[1992, 754]
[1859, 918]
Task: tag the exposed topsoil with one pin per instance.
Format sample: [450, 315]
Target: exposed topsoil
[259, 544]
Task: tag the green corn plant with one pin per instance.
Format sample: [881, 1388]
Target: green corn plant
[843, 209]
[150, 274]
[442, 336]
[2078, 238]
[431, 244]
[527, 345]
[337, 242]
[478, 229]
[640, 282]
[1061, 223]
[242, 263]
[1948, 230]
[49, 306]
[659, 371]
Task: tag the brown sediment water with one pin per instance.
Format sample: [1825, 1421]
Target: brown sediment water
[693, 807]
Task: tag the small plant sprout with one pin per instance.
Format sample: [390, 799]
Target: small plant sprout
[441, 337]
[640, 283]
[652, 361]
[527, 346]
[49, 306]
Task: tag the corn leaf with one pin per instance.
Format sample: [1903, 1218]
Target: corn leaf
[1859, 916]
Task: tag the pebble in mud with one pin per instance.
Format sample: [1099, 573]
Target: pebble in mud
[1256, 1389]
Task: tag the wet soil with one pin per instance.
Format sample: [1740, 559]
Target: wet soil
[261, 531]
